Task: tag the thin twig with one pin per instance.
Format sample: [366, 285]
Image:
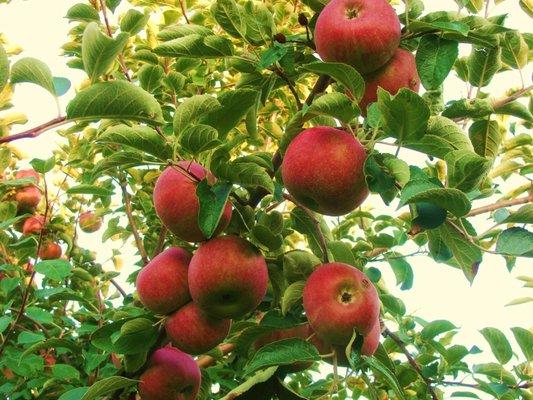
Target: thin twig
[160, 241]
[411, 360]
[279, 72]
[501, 204]
[118, 287]
[321, 239]
[184, 11]
[503, 101]
[36, 131]
[207, 361]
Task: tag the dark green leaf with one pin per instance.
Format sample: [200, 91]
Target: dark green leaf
[107, 385]
[434, 59]
[515, 242]
[151, 77]
[435, 328]
[139, 137]
[483, 64]
[342, 73]
[212, 201]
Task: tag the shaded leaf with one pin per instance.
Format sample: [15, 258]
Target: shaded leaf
[342, 73]
[212, 201]
[34, 71]
[139, 137]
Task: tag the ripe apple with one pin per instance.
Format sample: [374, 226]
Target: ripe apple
[162, 283]
[27, 173]
[193, 331]
[228, 277]
[362, 33]
[323, 168]
[89, 222]
[399, 72]
[28, 198]
[33, 225]
[176, 202]
[339, 299]
[50, 251]
[371, 340]
[172, 374]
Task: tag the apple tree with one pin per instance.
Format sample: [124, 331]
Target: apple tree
[269, 160]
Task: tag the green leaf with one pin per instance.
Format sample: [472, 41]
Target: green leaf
[115, 100]
[266, 238]
[282, 352]
[292, 295]
[515, 242]
[151, 77]
[99, 51]
[434, 59]
[83, 13]
[379, 368]
[64, 371]
[483, 63]
[178, 31]
[498, 344]
[524, 339]
[259, 377]
[514, 49]
[199, 138]
[435, 328]
[74, 394]
[212, 201]
[466, 170]
[342, 252]
[52, 343]
[90, 189]
[404, 116]
[139, 137]
[29, 337]
[136, 336]
[39, 315]
[472, 108]
[31, 70]
[259, 21]
[382, 171]
[342, 73]
[442, 136]
[524, 215]
[133, 21]
[403, 272]
[527, 7]
[444, 26]
[107, 385]
[234, 106]
[192, 109]
[229, 15]
[496, 371]
[43, 166]
[450, 199]
[467, 255]
[272, 55]
[5, 321]
[4, 68]
[245, 174]
[516, 109]
[54, 269]
[486, 138]
[196, 46]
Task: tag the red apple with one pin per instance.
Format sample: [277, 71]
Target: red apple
[171, 375]
[323, 168]
[50, 251]
[28, 198]
[362, 33]
[162, 283]
[27, 173]
[33, 225]
[176, 202]
[193, 331]
[89, 222]
[371, 340]
[338, 300]
[399, 72]
[228, 277]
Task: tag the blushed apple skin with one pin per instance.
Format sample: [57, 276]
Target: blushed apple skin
[27, 173]
[339, 299]
[176, 202]
[399, 72]
[193, 331]
[28, 198]
[371, 340]
[50, 251]
[361, 33]
[89, 222]
[323, 168]
[228, 277]
[33, 225]
[162, 283]
[172, 375]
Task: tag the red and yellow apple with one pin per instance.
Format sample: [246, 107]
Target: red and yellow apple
[89, 222]
[50, 251]
[33, 225]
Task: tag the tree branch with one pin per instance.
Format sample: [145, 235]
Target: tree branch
[34, 132]
[184, 11]
[207, 361]
[515, 96]
[118, 287]
[501, 204]
[131, 220]
[279, 72]
[411, 360]
[321, 239]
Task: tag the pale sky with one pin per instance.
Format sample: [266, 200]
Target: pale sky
[439, 291]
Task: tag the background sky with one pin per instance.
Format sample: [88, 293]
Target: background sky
[439, 291]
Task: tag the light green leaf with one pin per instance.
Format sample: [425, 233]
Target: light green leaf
[524, 339]
[61, 85]
[196, 46]
[151, 77]
[442, 136]
[435, 328]
[192, 109]
[246, 174]
[450, 199]
[342, 252]
[115, 100]
[403, 272]
[82, 12]
[198, 138]
[282, 352]
[466, 170]
[4, 68]
[342, 73]
[434, 59]
[498, 344]
[179, 30]
[524, 215]
[404, 116]
[34, 71]
[107, 385]
[379, 368]
[90, 189]
[74, 394]
[139, 137]
[483, 63]
[212, 201]
[65, 371]
[514, 49]
[54, 269]
[43, 166]
[229, 16]
[515, 242]
[133, 21]
[473, 108]
[486, 138]
[292, 295]
[516, 109]
[99, 51]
